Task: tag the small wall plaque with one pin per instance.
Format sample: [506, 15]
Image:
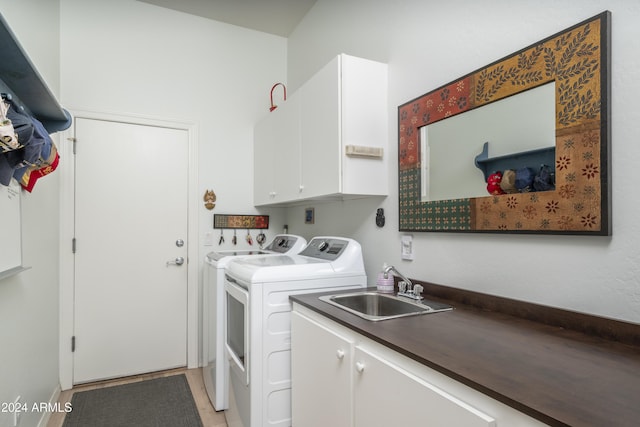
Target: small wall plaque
[209, 199]
[241, 221]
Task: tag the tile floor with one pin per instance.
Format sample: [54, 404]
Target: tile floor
[210, 418]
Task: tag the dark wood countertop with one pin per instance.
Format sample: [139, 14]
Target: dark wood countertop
[558, 375]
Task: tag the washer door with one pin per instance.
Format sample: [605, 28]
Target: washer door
[237, 328]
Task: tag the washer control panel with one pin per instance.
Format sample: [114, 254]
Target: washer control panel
[326, 248]
[282, 243]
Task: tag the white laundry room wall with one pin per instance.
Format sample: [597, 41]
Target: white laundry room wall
[29, 300]
[430, 43]
[131, 58]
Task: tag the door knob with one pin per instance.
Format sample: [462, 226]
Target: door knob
[178, 261]
[179, 243]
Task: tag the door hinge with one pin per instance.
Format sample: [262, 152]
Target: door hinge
[73, 245]
[74, 143]
[73, 344]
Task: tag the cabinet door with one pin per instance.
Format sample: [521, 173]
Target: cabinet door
[365, 118]
[276, 157]
[263, 156]
[286, 162]
[386, 395]
[320, 131]
[320, 373]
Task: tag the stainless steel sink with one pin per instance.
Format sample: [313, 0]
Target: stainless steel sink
[375, 307]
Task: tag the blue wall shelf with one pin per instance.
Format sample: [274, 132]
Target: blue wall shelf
[532, 159]
[20, 78]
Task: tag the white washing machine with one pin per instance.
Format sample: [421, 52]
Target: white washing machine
[215, 368]
[258, 335]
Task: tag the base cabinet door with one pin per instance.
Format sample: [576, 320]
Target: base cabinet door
[321, 388]
[387, 395]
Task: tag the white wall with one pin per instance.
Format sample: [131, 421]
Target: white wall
[132, 58]
[29, 301]
[430, 43]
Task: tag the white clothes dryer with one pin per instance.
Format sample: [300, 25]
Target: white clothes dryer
[258, 335]
[215, 370]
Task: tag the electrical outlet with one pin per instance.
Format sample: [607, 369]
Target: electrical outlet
[208, 238]
[407, 247]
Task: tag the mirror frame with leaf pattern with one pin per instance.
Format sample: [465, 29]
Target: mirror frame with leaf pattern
[578, 60]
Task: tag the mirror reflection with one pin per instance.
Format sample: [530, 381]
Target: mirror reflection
[436, 195]
[517, 124]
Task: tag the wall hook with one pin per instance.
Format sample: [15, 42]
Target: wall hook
[284, 88]
[380, 217]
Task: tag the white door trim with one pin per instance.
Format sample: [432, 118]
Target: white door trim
[67, 221]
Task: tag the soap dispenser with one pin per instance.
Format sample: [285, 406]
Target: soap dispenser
[385, 284]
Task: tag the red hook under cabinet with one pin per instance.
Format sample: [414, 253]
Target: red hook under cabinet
[273, 107]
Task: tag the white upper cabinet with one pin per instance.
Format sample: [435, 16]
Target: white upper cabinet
[276, 155]
[329, 139]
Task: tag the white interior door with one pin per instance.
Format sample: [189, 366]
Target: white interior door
[130, 308]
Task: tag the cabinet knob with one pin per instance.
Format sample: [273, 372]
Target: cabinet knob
[301, 189]
[340, 354]
[360, 367]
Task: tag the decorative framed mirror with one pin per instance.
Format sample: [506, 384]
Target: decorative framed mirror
[552, 99]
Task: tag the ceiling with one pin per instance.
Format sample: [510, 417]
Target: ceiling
[279, 17]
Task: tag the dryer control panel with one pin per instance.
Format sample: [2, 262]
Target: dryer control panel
[283, 243]
[327, 248]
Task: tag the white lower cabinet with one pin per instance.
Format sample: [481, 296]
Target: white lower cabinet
[321, 362]
[387, 395]
[341, 378]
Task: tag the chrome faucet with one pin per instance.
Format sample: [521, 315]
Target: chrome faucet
[406, 287]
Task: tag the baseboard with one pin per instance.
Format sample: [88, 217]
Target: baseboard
[46, 415]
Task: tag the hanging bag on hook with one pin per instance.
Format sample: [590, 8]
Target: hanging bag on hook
[46, 161]
[8, 137]
[10, 158]
[16, 127]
